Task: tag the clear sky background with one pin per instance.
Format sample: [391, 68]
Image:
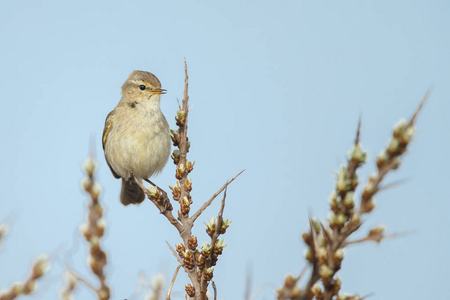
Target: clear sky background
[277, 88]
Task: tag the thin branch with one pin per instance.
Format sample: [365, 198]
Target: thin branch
[219, 222]
[354, 164]
[167, 213]
[370, 238]
[172, 282]
[84, 281]
[326, 234]
[302, 273]
[183, 145]
[208, 203]
[422, 103]
[175, 254]
[392, 184]
[215, 289]
[214, 237]
[159, 189]
[358, 132]
[186, 86]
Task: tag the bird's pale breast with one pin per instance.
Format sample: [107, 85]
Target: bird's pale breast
[139, 143]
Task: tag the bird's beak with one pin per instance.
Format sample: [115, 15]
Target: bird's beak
[159, 91]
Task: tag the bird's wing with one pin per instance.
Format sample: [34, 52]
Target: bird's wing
[106, 130]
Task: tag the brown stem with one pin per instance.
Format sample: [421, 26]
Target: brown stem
[184, 141]
[172, 282]
[215, 289]
[214, 237]
[208, 203]
[167, 213]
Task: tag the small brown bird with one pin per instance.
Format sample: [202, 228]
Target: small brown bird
[136, 137]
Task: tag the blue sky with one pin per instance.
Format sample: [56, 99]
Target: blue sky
[277, 89]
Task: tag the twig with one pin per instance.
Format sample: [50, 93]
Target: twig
[172, 282]
[84, 281]
[215, 235]
[175, 254]
[419, 109]
[159, 189]
[94, 229]
[369, 238]
[215, 289]
[38, 270]
[392, 185]
[167, 213]
[208, 203]
[196, 262]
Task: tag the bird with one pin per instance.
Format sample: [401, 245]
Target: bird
[136, 137]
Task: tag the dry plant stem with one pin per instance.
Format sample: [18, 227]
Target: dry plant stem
[208, 203]
[159, 189]
[38, 270]
[215, 289]
[84, 281]
[181, 191]
[315, 264]
[183, 149]
[173, 281]
[175, 254]
[215, 235]
[368, 238]
[339, 237]
[187, 224]
[392, 163]
[167, 213]
[93, 231]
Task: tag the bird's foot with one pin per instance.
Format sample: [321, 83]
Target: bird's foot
[130, 178]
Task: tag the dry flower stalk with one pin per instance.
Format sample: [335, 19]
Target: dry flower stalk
[92, 231]
[38, 270]
[196, 261]
[326, 243]
[71, 283]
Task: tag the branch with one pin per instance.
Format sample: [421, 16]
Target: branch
[208, 203]
[38, 270]
[94, 229]
[376, 235]
[215, 235]
[173, 281]
[215, 289]
[175, 254]
[154, 196]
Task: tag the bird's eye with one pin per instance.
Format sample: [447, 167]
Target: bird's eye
[142, 87]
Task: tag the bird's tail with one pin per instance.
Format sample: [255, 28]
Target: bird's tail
[131, 193]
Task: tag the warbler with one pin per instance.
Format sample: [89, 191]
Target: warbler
[136, 138]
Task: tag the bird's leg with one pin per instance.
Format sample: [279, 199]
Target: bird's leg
[130, 178]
